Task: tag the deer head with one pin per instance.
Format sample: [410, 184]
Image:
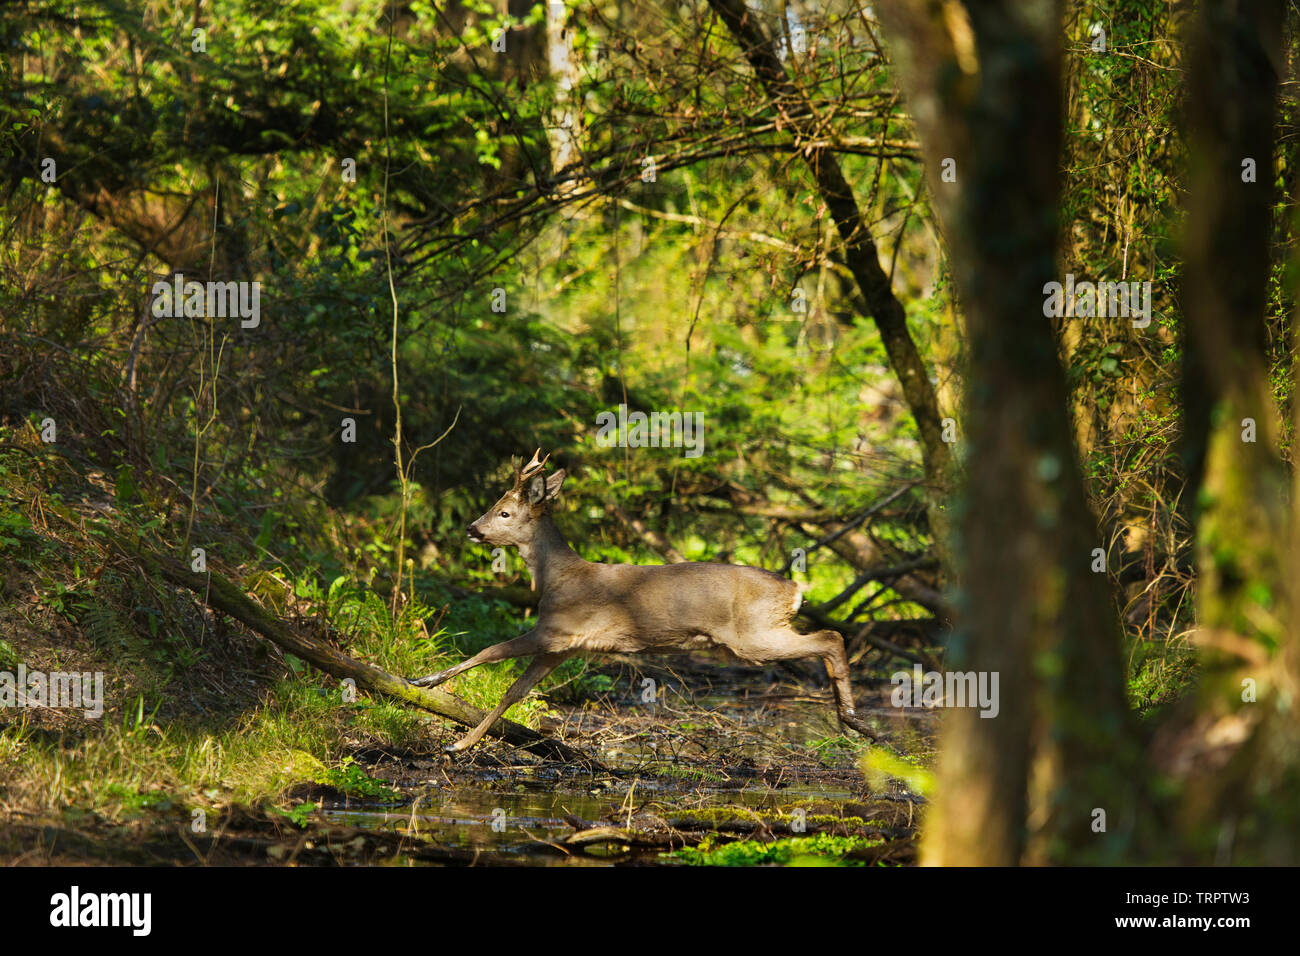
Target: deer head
[513, 519]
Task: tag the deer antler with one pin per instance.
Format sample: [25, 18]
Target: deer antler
[530, 469]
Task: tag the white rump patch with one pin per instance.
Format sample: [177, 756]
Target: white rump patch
[798, 598]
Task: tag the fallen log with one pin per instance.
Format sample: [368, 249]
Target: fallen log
[624, 837]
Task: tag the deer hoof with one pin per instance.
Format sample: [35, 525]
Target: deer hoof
[852, 722]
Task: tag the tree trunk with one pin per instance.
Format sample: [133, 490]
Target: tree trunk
[566, 131]
[985, 91]
[1245, 533]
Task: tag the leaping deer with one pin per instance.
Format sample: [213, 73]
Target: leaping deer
[629, 608]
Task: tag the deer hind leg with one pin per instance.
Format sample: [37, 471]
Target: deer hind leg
[523, 646]
[837, 668]
[788, 644]
[539, 667]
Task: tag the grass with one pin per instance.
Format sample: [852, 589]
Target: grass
[302, 730]
[297, 732]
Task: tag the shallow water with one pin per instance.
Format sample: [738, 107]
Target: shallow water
[473, 818]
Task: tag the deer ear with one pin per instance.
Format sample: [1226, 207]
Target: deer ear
[537, 489]
[554, 481]
[545, 487]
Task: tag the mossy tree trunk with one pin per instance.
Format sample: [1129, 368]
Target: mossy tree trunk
[1246, 533]
[984, 85]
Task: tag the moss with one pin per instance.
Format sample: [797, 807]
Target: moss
[819, 849]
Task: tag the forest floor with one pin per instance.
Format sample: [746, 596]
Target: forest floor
[733, 767]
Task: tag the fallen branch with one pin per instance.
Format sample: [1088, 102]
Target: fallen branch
[624, 837]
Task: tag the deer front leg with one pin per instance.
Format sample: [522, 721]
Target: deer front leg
[540, 666]
[521, 646]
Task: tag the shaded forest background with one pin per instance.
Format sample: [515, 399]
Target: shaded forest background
[825, 226]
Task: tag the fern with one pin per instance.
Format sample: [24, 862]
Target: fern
[102, 625]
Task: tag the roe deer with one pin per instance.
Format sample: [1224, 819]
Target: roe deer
[595, 608]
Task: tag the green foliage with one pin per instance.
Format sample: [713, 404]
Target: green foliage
[355, 782]
[12, 527]
[300, 814]
[880, 766]
[1160, 673]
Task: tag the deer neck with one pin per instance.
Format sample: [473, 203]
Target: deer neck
[547, 555]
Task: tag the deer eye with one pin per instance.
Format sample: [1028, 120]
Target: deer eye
[505, 514]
